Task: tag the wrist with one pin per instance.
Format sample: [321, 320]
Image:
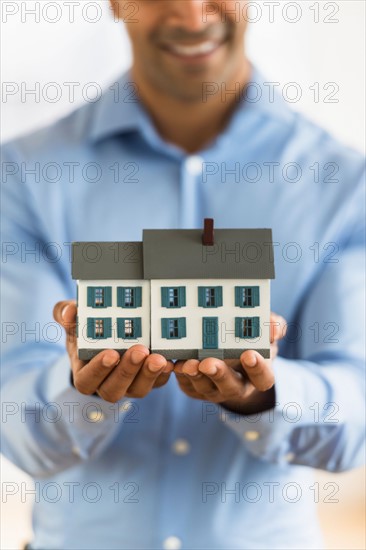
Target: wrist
[256, 403]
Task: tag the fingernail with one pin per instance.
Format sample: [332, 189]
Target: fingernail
[190, 371]
[211, 371]
[109, 361]
[251, 361]
[64, 311]
[137, 357]
[155, 367]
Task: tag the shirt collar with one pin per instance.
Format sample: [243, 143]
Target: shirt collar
[119, 111]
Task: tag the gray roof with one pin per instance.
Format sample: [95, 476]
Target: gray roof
[178, 254]
[107, 260]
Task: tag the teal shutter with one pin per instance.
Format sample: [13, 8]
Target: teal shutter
[255, 296]
[218, 296]
[137, 327]
[181, 296]
[201, 296]
[239, 296]
[165, 296]
[164, 328]
[182, 331]
[107, 296]
[255, 327]
[120, 328]
[238, 326]
[120, 296]
[90, 327]
[137, 302]
[90, 296]
[107, 328]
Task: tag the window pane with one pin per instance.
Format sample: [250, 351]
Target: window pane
[99, 296]
[99, 328]
[129, 295]
[128, 328]
[210, 297]
[173, 297]
[173, 328]
[247, 327]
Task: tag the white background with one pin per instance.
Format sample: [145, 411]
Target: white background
[304, 52]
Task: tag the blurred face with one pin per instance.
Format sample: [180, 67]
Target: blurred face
[179, 44]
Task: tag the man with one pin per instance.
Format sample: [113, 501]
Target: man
[142, 453]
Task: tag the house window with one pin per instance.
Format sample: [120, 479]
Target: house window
[173, 296]
[99, 329]
[129, 328]
[173, 328]
[99, 296]
[210, 296]
[247, 296]
[128, 296]
[247, 327]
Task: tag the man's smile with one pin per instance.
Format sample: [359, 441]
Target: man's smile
[193, 52]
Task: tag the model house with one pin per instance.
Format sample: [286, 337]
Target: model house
[183, 293]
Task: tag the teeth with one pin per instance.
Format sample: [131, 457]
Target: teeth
[192, 50]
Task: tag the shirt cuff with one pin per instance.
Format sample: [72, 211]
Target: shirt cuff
[267, 434]
[86, 417]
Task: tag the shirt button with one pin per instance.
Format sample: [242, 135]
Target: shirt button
[172, 543]
[181, 447]
[251, 436]
[194, 165]
[289, 457]
[76, 451]
[96, 416]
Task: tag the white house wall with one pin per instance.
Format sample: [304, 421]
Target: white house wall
[226, 314]
[114, 312]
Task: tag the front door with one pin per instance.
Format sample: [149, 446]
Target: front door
[210, 331]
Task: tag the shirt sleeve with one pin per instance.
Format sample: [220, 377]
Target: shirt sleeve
[319, 416]
[47, 426]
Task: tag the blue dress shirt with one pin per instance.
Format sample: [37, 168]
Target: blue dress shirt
[170, 472]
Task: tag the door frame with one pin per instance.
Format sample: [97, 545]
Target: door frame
[206, 345]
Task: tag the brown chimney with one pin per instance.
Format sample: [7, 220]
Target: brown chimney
[208, 232]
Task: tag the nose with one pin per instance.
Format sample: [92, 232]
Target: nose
[189, 14]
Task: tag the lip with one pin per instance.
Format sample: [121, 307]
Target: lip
[193, 53]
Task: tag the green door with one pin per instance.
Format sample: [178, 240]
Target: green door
[210, 331]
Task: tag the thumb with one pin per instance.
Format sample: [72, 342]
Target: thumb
[64, 313]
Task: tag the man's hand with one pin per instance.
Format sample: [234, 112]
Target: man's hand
[112, 377]
[244, 386]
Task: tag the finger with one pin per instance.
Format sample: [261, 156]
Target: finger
[119, 380]
[228, 382]
[64, 313]
[258, 369]
[87, 377]
[185, 382]
[274, 350]
[186, 386]
[67, 312]
[161, 380]
[278, 327]
[144, 381]
[200, 383]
